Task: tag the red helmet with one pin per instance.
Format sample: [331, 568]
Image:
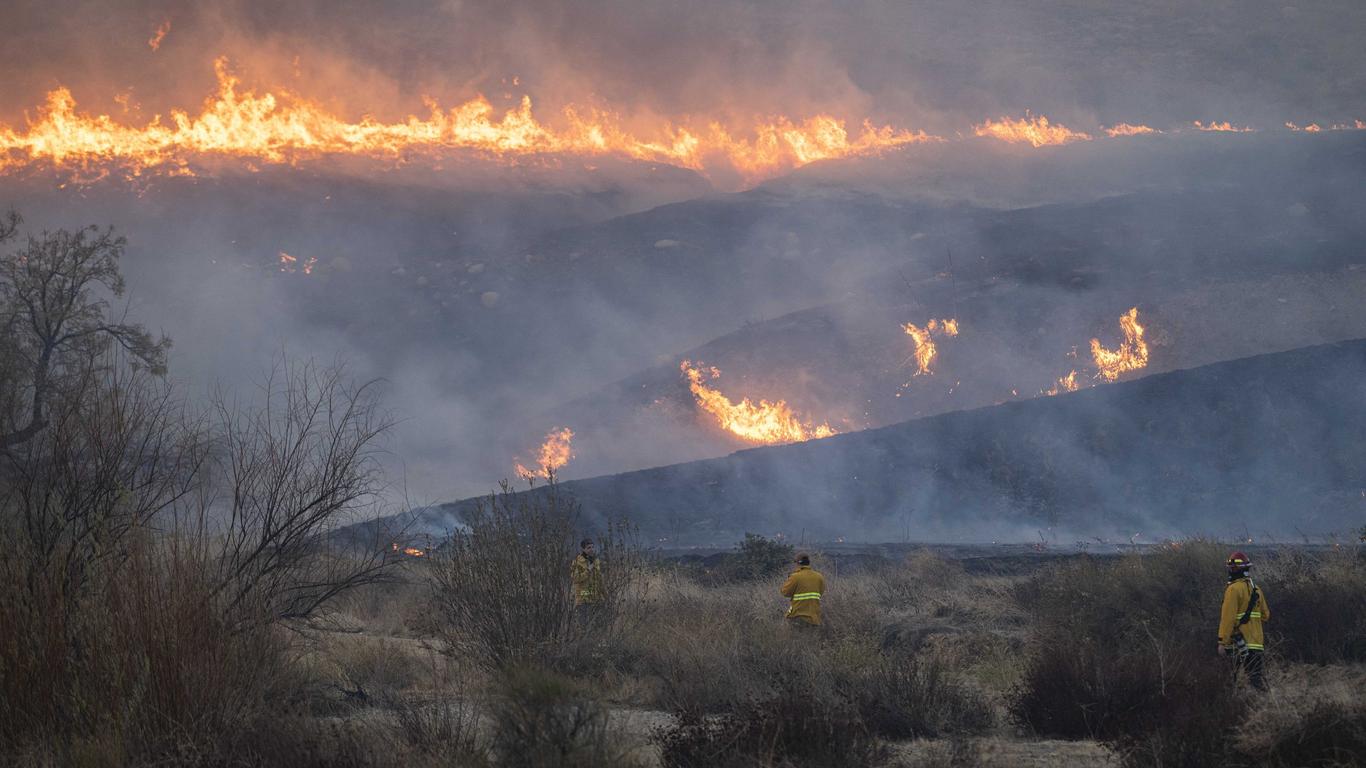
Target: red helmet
[1238, 562]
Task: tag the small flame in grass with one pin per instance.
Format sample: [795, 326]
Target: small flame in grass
[555, 452]
[1224, 127]
[768, 423]
[409, 551]
[1124, 129]
[1036, 131]
[1067, 383]
[155, 41]
[1132, 355]
[925, 349]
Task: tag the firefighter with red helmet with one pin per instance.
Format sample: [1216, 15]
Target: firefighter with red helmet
[1241, 618]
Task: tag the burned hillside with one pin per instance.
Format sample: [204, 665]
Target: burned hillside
[1270, 442]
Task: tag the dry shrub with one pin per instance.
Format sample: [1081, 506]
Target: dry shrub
[1330, 733]
[375, 667]
[1121, 653]
[141, 663]
[796, 728]
[544, 720]
[750, 690]
[1316, 717]
[444, 730]
[501, 591]
[916, 696]
[1318, 604]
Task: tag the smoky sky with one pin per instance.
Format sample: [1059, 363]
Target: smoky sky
[604, 279]
[938, 65]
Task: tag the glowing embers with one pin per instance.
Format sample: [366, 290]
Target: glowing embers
[154, 42]
[555, 452]
[1131, 355]
[290, 264]
[925, 349]
[288, 128]
[1034, 130]
[767, 423]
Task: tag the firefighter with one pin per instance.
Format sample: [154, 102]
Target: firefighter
[586, 576]
[1244, 612]
[804, 587]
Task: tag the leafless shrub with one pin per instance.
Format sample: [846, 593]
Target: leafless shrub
[284, 472]
[502, 590]
[916, 696]
[1121, 653]
[544, 720]
[798, 726]
[445, 729]
[130, 619]
[1318, 604]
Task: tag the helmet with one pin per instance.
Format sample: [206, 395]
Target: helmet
[1238, 562]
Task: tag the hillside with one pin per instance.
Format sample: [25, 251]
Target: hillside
[1272, 442]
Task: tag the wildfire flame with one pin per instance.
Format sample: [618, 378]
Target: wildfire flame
[1311, 128]
[925, 349]
[1124, 129]
[1225, 127]
[288, 128]
[409, 551]
[1067, 383]
[1036, 131]
[555, 452]
[765, 422]
[154, 42]
[1132, 355]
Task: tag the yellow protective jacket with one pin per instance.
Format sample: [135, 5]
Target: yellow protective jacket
[1236, 596]
[805, 587]
[587, 578]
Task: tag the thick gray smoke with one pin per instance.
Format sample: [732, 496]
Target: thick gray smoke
[499, 303]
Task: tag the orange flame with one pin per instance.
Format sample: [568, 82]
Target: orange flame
[288, 128]
[409, 551]
[766, 423]
[1036, 131]
[154, 42]
[1067, 383]
[1132, 355]
[555, 453]
[925, 349]
[1124, 129]
[1311, 128]
[1225, 127]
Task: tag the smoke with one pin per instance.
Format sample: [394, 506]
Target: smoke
[940, 65]
[499, 303]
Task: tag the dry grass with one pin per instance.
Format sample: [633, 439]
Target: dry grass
[911, 669]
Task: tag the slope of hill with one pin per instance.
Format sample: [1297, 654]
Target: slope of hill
[1262, 446]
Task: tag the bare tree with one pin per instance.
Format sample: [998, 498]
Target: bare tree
[284, 474]
[54, 313]
[106, 465]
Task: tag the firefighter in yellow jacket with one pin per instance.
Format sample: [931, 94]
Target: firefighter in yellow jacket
[804, 587]
[1241, 618]
[586, 574]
